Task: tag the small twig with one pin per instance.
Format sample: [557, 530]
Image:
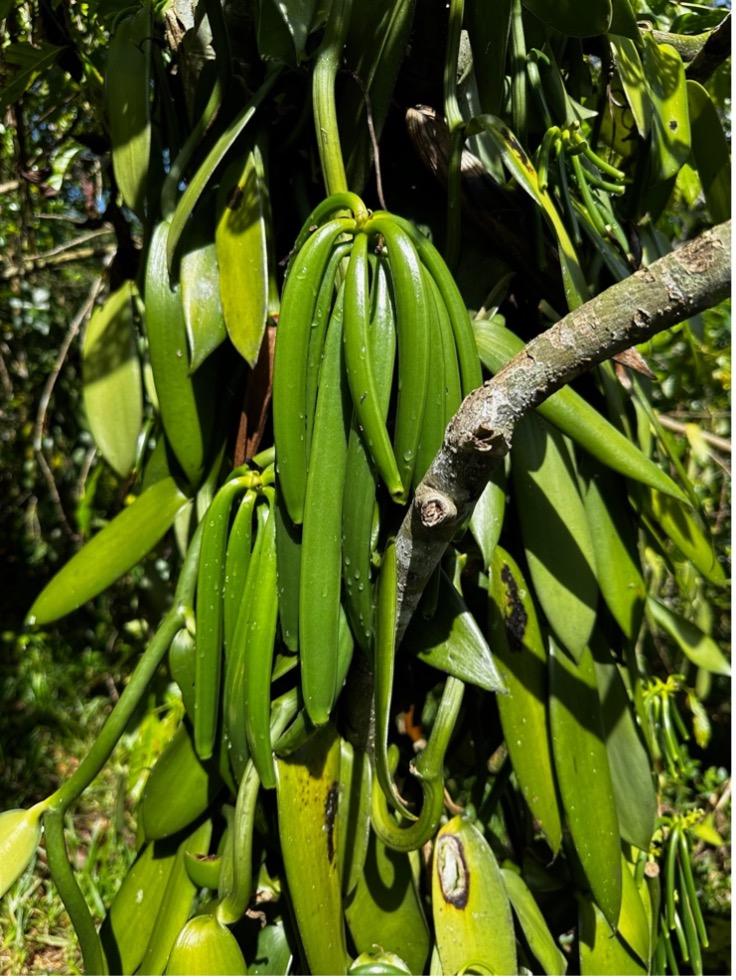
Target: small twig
[718, 442]
[27, 265]
[40, 425]
[373, 138]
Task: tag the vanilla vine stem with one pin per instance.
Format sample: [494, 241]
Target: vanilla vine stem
[691, 279]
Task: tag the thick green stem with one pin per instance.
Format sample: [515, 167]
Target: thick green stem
[455, 125]
[121, 713]
[74, 902]
[323, 97]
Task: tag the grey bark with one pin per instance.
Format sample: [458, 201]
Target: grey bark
[689, 280]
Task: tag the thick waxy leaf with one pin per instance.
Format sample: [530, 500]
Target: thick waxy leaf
[20, 831]
[665, 74]
[602, 953]
[451, 640]
[522, 662]
[633, 923]
[571, 414]
[179, 789]
[273, 956]
[242, 254]
[111, 378]
[126, 540]
[631, 770]
[685, 533]
[555, 531]
[307, 797]
[487, 519]
[583, 775]
[283, 28]
[533, 925]
[128, 104]
[200, 298]
[131, 920]
[473, 925]
[205, 948]
[29, 61]
[631, 73]
[614, 543]
[386, 910]
[176, 904]
[710, 150]
[573, 17]
[697, 646]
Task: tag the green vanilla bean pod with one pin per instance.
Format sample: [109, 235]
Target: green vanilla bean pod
[210, 615]
[183, 419]
[321, 559]
[467, 352]
[288, 562]
[260, 650]
[354, 818]
[411, 326]
[519, 81]
[340, 201]
[360, 372]
[237, 558]
[359, 505]
[383, 671]
[435, 416]
[290, 361]
[182, 658]
[689, 888]
[234, 692]
[318, 331]
[429, 770]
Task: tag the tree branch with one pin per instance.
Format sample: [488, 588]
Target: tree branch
[687, 281]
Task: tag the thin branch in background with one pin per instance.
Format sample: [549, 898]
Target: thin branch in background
[373, 138]
[65, 258]
[38, 430]
[718, 442]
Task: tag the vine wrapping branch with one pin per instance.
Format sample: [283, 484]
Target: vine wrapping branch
[688, 281]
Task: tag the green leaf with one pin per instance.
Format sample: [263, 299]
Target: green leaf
[571, 414]
[283, 28]
[535, 929]
[697, 646]
[554, 529]
[488, 514]
[242, 254]
[112, 387]
[522, 662]
[198, 183]
[710, 150]
[473, 925]
[386, 910]
[20, 831]
[584, 778]
[273, 956]
[450, 640]
[615, 546]
[601, 952]
[670, 130]
[631, 769]
[128, 104]
[685, 533]
[573, 17]
[31, 62]
[126, 540]
[200, 299]
[633, 80]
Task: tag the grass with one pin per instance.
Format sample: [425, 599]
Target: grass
[53, 707]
